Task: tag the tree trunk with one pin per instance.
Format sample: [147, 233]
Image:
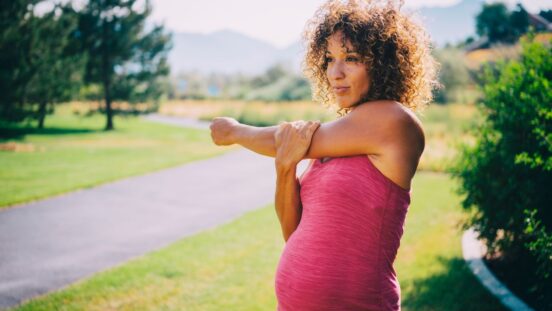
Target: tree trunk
[41, 114]
[108, 110]
[106, 77]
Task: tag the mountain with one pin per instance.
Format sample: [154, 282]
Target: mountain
[228, 51]
[453, 23]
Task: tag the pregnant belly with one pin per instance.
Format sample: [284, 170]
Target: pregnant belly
[316, 274]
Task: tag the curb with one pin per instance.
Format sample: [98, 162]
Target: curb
[473, 251]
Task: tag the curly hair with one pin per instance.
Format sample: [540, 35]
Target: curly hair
[395, 48]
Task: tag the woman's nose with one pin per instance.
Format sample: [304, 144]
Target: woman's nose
[336, 70]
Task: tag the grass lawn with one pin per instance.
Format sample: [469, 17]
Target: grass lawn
[232, 267]
[73, 152]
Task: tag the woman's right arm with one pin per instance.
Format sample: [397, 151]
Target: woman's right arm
[368, 129]
[228, 131]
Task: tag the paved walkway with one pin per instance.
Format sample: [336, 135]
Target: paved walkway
[49, 244]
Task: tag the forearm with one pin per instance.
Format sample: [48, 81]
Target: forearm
[287, 200]
[257, 139]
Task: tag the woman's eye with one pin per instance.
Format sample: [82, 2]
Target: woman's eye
[352, 59]
[329, 59]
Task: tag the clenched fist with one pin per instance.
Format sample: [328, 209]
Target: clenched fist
[222, 130]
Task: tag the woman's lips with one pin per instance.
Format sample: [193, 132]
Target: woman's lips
[340, 90]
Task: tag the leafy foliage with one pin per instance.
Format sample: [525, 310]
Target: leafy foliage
[547, 14]
[44, 58]
[501, 25]
[508, 172]
[36, 67]
[122, 56]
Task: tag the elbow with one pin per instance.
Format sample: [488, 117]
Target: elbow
[289, 222]
[287, 232]
[286, 237]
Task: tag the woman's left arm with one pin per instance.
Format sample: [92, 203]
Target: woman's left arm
[287, 200]
[292, 143]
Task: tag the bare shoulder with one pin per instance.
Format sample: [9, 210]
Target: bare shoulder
[372, 128]
[397, 122]
[401, 137]
[387, 109]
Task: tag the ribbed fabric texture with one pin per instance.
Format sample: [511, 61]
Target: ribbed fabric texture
[341, 255]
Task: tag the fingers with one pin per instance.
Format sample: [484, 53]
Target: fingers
[309, 128]
[315, 125]
[304, 128]
[312, 128]
[283, 127]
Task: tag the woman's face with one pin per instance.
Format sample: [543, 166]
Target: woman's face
[346, 72]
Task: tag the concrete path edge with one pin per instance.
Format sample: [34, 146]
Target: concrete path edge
[473, 251]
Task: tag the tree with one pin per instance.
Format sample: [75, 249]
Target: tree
[36, 65]
[124, 58]
[492, 20]
[15, 69]
[546, 14]
[57, 66]
[501, 25]
[519, 22]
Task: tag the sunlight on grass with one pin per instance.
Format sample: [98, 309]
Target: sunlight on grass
[74, 152]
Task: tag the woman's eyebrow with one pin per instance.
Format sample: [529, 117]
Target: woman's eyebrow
[347, 52]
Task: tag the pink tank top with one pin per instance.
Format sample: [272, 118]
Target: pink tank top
[341, 255]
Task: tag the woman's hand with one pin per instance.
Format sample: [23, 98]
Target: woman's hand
[293, 140]
[223, 130]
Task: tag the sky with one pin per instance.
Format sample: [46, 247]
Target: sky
[279, 22]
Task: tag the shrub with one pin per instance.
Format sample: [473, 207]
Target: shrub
[507, 175]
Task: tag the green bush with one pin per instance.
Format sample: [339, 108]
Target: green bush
[541, 245]
[507, 175]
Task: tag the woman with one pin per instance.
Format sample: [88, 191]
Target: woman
[343, 219]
